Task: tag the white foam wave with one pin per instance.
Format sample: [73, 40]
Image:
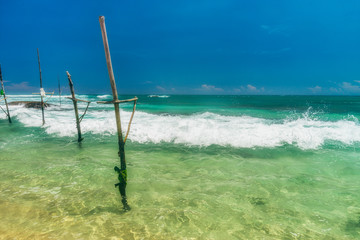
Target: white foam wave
[198, 130]
[247, 132]
[159, 96]
[104, 96]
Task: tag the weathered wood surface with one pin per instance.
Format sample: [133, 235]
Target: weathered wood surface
[79, 100]
[41, 96]
[118, 101]
[122, 171]
[74, 99]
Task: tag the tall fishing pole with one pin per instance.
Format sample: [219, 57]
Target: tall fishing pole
[122, 170]
[42, 92]
[3, 93]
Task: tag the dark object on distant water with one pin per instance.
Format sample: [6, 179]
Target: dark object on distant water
[30, 104]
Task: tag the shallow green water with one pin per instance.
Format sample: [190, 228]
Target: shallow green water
[51, 188]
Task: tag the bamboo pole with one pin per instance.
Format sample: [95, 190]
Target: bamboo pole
[3, 90]
[122, 171]
[41, 88]
[75, 106]
[118, 101]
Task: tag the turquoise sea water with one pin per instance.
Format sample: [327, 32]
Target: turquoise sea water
[199, 167]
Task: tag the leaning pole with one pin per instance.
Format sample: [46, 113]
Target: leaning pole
[122, 171]
[75, 100]
[42, 92]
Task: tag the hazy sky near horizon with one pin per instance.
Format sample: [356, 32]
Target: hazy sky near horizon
[184, 47]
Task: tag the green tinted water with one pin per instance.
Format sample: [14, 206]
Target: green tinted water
[53, 189]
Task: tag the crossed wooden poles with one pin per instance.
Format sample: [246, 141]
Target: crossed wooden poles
[42, 91]
[122, 170]
[75, 100]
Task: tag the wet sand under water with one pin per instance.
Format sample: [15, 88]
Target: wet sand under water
[56, 190]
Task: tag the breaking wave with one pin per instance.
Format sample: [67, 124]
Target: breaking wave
[203, 129]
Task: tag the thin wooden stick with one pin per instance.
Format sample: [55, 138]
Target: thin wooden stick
[82, 116]
[3, 89]
[75, 107]
[79, 100]
[52, 93]
[122, 171]
[132, 115]
[117, 101]
[129, 125]
[3, 110]
[41, 88]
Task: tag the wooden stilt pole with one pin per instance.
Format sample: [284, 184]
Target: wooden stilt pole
[59, 90]
[42, 92]
[75, 107]
[3, 92]
[122, 171]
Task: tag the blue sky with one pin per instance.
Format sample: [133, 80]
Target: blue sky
[184, 47]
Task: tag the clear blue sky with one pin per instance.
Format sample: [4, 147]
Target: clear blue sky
[184, 47]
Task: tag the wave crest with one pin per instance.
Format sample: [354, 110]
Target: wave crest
[305, 132]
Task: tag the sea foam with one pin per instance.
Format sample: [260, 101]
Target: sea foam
[203, 129]
[104, 96]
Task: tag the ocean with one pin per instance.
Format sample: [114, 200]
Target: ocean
[199, 167]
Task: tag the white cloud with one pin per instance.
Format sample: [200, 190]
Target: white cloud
[316, 89]
[346, 86]
[23, 86]
[165, 90]
[335, 90]
[251, 88]
[248, 89]
[239, 90]
[211, 88]
[160, 88]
